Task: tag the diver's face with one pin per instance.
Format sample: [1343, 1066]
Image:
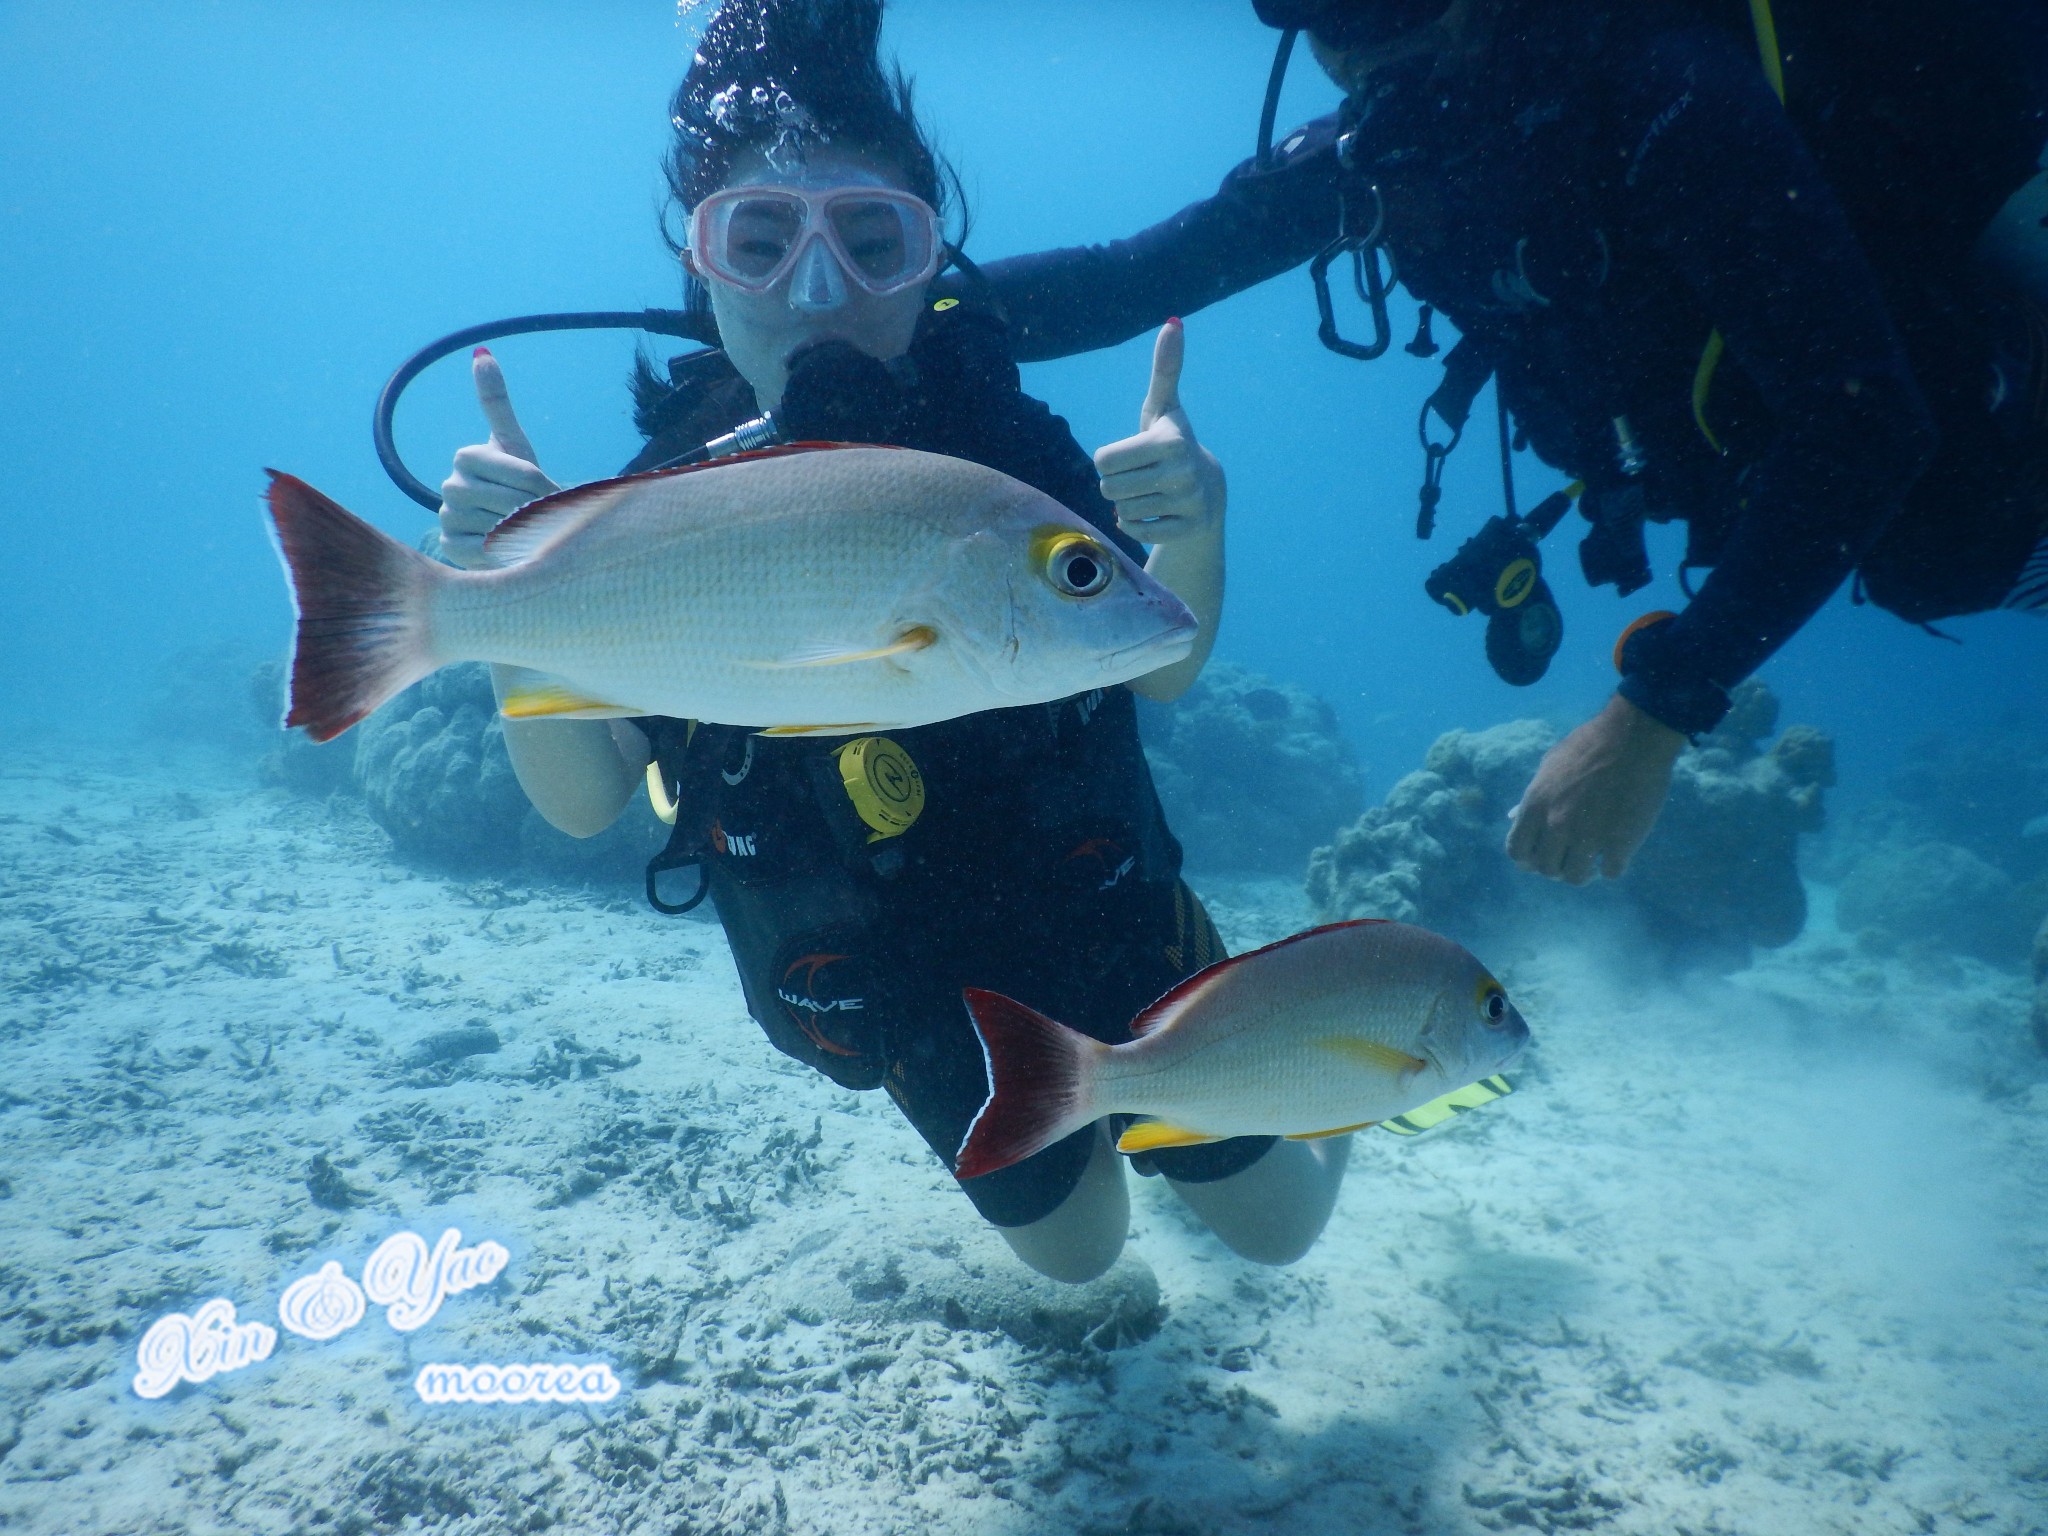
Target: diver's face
[762, 331]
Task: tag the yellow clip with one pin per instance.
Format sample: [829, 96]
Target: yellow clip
[943, 305]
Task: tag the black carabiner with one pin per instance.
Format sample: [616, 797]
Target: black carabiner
[1433, 456]
[1370, 280]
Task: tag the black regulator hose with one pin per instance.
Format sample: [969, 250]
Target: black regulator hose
[689, 325]
[1271, 107]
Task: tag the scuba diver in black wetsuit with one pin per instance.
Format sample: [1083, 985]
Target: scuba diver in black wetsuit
[1779, 275]
[862, 884]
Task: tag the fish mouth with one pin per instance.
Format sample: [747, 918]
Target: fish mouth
[1168, 646]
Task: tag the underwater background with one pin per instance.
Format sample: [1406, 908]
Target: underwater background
[1758, 1246]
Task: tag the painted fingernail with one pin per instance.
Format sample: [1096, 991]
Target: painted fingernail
[480, 352]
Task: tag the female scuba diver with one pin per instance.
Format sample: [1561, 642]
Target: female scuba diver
[863, 884]
[1777, 271]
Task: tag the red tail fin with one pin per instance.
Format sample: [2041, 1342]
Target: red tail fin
[362, 600]
[1041, 1083]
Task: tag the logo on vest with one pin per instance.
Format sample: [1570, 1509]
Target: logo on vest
[1111, 862]
[810, 994]
[737, 845]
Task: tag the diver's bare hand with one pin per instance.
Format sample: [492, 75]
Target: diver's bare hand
[1596, 796]
[491, 480]
[1165, 484]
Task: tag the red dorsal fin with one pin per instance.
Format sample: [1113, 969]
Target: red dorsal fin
[1182, 996]
[540, 525]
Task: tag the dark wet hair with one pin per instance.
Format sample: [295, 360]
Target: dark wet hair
[794, 73]
[797, 72]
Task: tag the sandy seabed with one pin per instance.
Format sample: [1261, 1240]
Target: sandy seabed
[1762, 1254]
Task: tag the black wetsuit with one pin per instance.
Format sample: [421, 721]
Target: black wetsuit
[1020, 850]
[1612, 187]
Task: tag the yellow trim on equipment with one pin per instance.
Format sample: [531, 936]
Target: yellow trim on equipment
[883, 782]
[1703, 385]
[1514, 584]
[1766, 27]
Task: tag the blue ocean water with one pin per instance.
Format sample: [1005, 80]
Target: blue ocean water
[226, 224]
[1746, 1255]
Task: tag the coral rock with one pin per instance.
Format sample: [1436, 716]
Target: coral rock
[1719, 875]
[1432, 853]
[433, 770]
[1936, 895]
[2041, 986]
[1722, 866]
[1253, 773]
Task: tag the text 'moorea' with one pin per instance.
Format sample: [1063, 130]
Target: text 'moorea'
[405, 1277]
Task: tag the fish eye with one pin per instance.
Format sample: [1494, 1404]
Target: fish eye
[1074, 564]
[1493, 1003]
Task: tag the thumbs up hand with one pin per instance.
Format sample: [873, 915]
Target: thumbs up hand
[491, 480]
[1165, 484]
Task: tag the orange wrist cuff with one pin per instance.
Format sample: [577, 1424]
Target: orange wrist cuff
[1660, 616]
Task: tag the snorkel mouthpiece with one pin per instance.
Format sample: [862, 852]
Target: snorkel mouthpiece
[817, 284]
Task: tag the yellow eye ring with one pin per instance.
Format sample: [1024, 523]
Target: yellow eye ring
[1072, 563]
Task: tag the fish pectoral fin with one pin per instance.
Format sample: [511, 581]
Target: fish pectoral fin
[826, 654]
[1371, 1053]
[1342, 1130]
[1153, 1135]
[537, 696]
[818, 730]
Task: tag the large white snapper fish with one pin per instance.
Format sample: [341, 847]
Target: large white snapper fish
[1329, 1031]
[819, 588]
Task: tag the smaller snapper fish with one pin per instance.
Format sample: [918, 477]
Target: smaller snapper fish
[819, 588]
[1329, 1031]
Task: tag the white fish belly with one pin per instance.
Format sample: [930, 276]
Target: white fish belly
[705, 621]
[1281, 1071]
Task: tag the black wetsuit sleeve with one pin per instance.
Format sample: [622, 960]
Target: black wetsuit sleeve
[1258, 224]
[1720, 184]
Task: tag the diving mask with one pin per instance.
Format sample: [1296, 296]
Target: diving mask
[879, 238]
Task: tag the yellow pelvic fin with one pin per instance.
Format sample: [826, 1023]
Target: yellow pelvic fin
[916, 639]
[1342, 1130]
[1153, 1135]
[540, 697]
[1436, 1111]
[817, 730]
[1370, 1053]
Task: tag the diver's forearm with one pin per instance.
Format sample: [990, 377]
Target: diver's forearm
[578, 773]
[1192, 569]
